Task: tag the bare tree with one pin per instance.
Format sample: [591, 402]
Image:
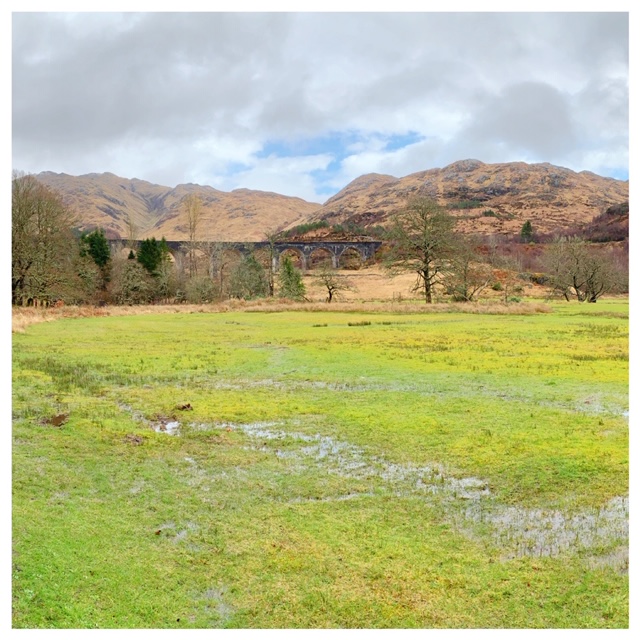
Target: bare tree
[272, 236]
[132, 232]
[334, 283]
[193, 208]
[45, 256]
[469, 273]
[581, 270]
[421, 239]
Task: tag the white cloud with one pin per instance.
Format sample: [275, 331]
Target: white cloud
[195, 97]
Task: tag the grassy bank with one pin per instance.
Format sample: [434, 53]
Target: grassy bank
[329, 469]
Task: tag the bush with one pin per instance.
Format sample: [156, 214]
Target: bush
[131, 283]
[497, 286]
[200, 289]
[248, 279]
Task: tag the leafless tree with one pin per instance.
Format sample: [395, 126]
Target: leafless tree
[271, 236]
[421, 240]
[578, 269]
[469, 273]
[332, 281]
[192, 205]
[45, 256]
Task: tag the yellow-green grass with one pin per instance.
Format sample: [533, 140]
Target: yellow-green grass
[336, 470]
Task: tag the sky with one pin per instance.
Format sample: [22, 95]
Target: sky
[303, 103]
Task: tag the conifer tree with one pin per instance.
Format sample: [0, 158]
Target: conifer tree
[290, 278]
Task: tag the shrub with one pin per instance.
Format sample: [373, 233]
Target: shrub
[200, 289]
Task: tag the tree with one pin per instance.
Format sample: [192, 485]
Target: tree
[581, 270]
[526, 233]
[469, 275]
[290, 280]
[130, 283]
[193, 209]
[95, 246]
[152, 253]
[44, 252]
[334, 283]
[421, 239]
[272, 236]
[132, 231]
[248, 279]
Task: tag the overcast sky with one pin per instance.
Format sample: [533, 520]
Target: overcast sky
[303, 103]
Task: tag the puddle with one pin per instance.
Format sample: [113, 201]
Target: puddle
[160, 425]
[465, 502]
[171, 427]
[216, 605]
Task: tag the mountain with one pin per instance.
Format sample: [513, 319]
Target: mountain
[109, 201]
[486, 198]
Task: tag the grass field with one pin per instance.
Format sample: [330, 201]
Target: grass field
[321, 470]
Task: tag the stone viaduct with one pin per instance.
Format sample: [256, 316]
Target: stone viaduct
[305, 250]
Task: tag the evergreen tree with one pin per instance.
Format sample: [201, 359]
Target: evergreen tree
[150, 255]
[526, 233]
[291, 285]
[95, 245]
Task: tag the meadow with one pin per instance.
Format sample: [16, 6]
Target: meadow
[325, 469]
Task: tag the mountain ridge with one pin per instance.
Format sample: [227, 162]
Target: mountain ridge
[485, 198]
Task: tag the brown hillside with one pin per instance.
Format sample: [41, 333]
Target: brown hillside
[486, 198]
[107, 201]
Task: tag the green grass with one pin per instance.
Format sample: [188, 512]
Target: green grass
[337, 470]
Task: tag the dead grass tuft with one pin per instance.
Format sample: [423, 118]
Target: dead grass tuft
[23, 317]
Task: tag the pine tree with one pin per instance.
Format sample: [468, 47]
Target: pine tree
[526, 233]
[291, 285]
[150, 255]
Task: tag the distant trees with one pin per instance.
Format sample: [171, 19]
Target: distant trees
[421, 240]
[52, 261]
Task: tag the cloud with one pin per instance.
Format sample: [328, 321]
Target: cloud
[225, 97]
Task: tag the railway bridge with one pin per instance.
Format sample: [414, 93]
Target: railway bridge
[335, 249]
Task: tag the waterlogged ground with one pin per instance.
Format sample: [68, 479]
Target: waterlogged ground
[321, 470]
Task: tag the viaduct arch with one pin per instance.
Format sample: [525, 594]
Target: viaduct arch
[335, 248]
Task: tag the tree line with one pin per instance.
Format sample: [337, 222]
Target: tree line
[52, 261]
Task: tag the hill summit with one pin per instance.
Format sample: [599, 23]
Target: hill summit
[486, 198]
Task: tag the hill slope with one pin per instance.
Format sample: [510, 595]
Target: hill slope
[109, 201]
[486, 198]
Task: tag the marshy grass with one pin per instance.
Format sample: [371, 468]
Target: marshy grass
[217, 468]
